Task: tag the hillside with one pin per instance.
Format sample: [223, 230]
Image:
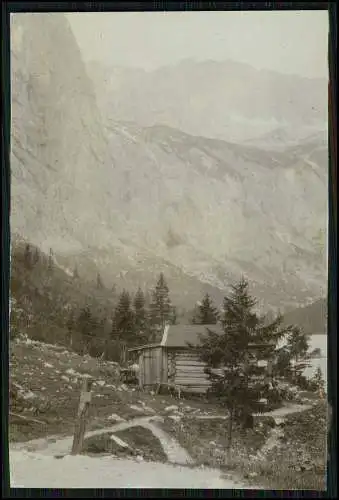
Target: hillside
[130, 200]
[312, 318]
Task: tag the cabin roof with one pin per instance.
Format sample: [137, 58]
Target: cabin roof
[180, 335]
[144, 346]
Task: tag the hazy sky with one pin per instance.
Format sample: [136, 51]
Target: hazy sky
[289, 42]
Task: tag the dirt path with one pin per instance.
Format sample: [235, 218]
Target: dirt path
[277, 432]
[33, 470]
[56, 446]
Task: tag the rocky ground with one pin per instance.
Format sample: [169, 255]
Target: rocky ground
[286, 448]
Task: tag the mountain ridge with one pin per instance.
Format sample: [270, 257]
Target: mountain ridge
[125, 198]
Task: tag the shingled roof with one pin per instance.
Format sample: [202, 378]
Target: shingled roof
[180, 335]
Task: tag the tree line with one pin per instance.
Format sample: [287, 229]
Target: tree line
[131, 323]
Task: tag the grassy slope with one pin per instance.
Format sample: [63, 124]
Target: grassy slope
[297, 461]
[141, 443]
[47, 296]
[48, 381]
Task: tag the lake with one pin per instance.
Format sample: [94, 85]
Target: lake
[318, 342]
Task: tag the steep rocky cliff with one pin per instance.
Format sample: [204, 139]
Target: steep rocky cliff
[133, 200]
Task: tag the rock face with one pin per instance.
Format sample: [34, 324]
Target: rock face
[57, 138]
[133, 200]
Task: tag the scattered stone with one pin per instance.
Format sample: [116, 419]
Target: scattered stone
[116, 418]
[176, 418]
[137, 408]
[171, 408]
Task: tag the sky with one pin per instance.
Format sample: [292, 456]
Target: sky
[288, 42]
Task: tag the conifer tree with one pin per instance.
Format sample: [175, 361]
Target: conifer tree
[124, 319]
[36, 256]
[87, 325]
[140, 314]
[240, 383]
[50, 259]
[297, 348]
[206, 313]
[160, 307]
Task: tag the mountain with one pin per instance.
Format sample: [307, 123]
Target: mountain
[311, 318]
[226, 100]
[281, 139]
[131, 200]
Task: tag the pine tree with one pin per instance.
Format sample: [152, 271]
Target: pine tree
[160, 307]
[207, 314]
[241, 382]
[140, 314]
[293, 357]
[124, 318]
[36, 256]
[50, 259]
[87, 325]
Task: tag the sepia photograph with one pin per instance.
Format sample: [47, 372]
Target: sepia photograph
[169, 255]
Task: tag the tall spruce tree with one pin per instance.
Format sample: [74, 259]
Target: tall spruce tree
[124, 319]
[240, 382]
[160, 307]
[206, 313]
[87, 325]
[297, 347]
[50, 259]
[36, 256]
[140, 315]
[293, 356]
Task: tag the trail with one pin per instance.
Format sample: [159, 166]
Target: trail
[277, 432]
[33, 470]
[56, 446]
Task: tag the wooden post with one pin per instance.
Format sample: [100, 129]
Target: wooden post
[83, 411]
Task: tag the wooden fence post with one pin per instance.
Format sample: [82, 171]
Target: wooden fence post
[83, 412]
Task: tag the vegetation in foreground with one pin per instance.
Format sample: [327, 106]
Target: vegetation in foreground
[296, 460]
[141, 444]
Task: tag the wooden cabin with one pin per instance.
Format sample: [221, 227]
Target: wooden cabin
[172, 361]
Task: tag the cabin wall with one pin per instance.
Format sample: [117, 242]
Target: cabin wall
[152, 364]
[187, 371]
